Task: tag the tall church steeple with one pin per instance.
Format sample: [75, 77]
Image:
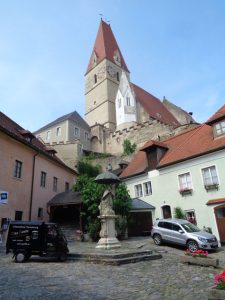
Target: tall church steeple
[102, 78]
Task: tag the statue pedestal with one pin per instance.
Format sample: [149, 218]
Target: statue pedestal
[108, 238]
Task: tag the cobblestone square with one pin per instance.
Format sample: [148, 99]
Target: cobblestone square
[165, 278]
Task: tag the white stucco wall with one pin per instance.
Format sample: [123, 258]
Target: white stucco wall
[165, 188]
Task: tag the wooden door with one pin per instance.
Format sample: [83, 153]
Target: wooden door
[166, 212]
[220, 219]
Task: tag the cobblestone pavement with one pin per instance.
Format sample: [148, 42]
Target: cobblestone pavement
[164, 278]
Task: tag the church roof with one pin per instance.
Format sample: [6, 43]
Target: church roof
[73, 116]
[154, 107]
[105, 47]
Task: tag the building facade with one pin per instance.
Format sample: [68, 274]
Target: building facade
[185, 171]
[30, 174]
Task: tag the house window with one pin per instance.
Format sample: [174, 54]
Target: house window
[86, 136]
[210, 176]
[76, 131]
[219, 128]
[55, 183]
[58, 131]
[67, 186]
[185, 182]
[18, 169]
[40, 213]
[190, 215]
[48, 135]
[147, 188]
[95, 78]
[128, 100]
[18, 215]
[43, 179]
[138, 190]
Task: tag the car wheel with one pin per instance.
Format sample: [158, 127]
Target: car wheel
[20, 257]
[192, 245]
[157, 239]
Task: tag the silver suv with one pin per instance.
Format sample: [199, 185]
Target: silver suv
[182, 232]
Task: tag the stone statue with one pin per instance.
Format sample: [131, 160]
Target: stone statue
[106, 205]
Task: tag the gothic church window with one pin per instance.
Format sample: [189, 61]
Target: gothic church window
[128, 100]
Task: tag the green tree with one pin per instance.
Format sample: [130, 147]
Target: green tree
[128, 148]
[92, 193]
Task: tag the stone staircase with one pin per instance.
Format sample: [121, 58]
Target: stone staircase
[115, 258]
[69, 230]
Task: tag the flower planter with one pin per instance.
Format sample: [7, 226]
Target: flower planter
[201, 261]
[215, 294]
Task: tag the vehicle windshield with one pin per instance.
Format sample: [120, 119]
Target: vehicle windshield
[189, 227]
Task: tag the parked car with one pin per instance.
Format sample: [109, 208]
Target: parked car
[182, 232]
[36, 238]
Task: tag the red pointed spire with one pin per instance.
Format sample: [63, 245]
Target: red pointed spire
[105, 47]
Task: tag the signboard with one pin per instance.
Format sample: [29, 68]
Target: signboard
[3, 197]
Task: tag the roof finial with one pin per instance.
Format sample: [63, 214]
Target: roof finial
[101, 15]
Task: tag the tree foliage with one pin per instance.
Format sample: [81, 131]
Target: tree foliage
[128, 148]
[92, 193]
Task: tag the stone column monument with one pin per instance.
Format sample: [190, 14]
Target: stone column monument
[108, 239]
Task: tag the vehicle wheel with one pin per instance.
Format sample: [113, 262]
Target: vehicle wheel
[157, 239]
[20, 257]
[62, 257]
[192, 245]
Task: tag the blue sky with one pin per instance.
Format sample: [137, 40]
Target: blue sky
[173, 48]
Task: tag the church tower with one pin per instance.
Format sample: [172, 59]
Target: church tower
[102, 78]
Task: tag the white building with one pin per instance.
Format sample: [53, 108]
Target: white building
[185, 171]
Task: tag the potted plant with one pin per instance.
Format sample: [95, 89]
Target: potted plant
[218, 291]
[199, 257]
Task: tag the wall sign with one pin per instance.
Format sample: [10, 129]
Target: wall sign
[3, 197]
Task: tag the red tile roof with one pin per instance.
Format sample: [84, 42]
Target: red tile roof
[105, 46]
[186, 145]
[217, 116]
[155, 108]
[216, 201]
[14, 130]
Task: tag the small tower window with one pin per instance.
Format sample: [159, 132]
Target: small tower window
[128, 100]
[95, 78]
[118, 76]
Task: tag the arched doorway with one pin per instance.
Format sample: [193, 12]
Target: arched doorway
[220, 219]
[166, 212]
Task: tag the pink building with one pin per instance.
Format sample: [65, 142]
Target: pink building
[30, 174]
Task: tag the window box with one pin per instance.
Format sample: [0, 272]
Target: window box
[187, 191]
[212, 187]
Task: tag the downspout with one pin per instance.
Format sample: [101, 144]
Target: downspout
[32, 185]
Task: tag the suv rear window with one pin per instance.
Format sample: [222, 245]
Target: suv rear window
[166, 225]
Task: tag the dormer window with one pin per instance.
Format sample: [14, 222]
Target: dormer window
[219, 128]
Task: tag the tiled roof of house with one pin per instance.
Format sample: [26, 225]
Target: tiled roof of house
[105, 46]
[217, 116]
[186, 145]
[67, 197]
[138, 204]
[15, 131]
[73, 116]
[154, 107]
